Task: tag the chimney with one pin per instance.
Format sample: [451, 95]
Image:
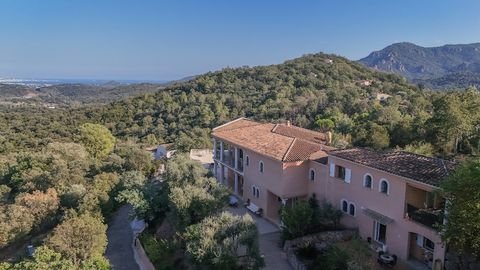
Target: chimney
[288, 123]
[329, 137]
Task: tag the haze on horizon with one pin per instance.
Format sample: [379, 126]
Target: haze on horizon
[153, 40]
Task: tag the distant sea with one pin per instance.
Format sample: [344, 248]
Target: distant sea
[48, 82]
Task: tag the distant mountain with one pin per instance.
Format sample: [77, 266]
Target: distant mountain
[448, 66]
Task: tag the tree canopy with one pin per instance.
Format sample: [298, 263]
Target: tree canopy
[462, 191]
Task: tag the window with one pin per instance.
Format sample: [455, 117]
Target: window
[344, 206]
[260, 166]
[312, 175]
[380, 232]
[428, 244]
[367, 181]
[351, 209]
[255, 191]
[340, 172]
[247, 161]
[383, 188]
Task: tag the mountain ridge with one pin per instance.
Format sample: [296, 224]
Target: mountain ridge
[431, 66]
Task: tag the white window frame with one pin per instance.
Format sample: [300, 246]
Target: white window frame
[376, 232]
[371, 181]
[261, 166]
[380, 186]
[310, 175]
[425, 239]
[341, 205]
[354, 209]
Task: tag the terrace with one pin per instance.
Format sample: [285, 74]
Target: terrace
[424, 207]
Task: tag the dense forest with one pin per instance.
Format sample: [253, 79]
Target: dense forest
[71, 167]
[361, 106]
[57, 199]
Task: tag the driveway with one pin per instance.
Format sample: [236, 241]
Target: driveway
[120, 238]
[269, 241]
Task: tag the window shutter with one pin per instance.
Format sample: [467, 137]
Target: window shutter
[348, 175]
[332, 169]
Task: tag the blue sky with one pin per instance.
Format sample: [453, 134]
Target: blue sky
[159, 40]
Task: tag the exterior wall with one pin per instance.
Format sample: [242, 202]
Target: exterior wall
[319, 185]
[284, 180]
[294, 179]
[391, 205]
[290, 180]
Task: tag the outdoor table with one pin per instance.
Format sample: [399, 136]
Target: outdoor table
[386, 258]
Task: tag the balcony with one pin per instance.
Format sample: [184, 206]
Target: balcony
[228, 158]
[427, 216]
[424, 206]
[240, 164]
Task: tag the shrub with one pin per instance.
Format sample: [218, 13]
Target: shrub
[333, 258]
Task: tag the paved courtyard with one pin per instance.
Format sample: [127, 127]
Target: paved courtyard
[269, 240]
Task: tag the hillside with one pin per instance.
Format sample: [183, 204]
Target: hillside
[301, 90]
[71, 94]
[448, 66]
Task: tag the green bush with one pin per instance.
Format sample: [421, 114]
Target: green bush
[333, 258]
[160, 252]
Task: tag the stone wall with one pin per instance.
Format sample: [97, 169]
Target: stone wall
[329, 237]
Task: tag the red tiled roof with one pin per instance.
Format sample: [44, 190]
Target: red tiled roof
[301, 133]
[281, 142]
[420, 168]
[237, 123]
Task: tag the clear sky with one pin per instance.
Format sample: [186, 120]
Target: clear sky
[159, 40]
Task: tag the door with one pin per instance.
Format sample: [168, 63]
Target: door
[380, 232]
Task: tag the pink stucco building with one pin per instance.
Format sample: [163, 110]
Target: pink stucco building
[388, 196]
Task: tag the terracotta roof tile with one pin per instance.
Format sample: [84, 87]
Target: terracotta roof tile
[238, 123]
[301, 133]
[420, 168]
[281, 142]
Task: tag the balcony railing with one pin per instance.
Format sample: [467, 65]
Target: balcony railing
[426, 216]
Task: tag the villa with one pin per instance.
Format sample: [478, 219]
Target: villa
[388, 196]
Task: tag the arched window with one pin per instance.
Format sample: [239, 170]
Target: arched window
[260, 166]
[351, 209]
[247, 161]
[344, 206]
[253, 191]
[384, 186]
[367, 181]
[311, 175]
[258, 192]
